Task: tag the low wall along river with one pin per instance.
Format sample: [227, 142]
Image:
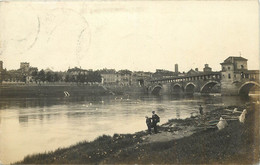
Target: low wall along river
[64, 90]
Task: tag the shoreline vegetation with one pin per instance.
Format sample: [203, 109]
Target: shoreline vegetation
[179, 141]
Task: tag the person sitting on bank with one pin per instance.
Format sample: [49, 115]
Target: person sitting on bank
[149, 124]
[155, 120]
[201, 110]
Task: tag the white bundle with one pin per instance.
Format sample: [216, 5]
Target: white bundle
[235, 110]
[242, 116]
[222, 123]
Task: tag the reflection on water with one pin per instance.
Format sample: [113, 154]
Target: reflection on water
[30, 126]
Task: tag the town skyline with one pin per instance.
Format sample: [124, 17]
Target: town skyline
[105, 68]
[129, 35]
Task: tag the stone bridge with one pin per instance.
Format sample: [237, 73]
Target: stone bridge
[242, 84]
[201, 83]
[205, 83]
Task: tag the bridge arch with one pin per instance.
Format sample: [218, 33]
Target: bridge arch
[245, 88]
[177, 88]
[156, 89]
[206, 88]
[190, 88]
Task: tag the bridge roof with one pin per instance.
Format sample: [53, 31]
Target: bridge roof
[251, 71]
[247, 71]
[186, 76]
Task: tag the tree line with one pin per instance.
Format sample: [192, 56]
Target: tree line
[91, 76]
[77, 75]
[50, 76]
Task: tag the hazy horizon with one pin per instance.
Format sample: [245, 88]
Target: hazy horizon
[133, 35]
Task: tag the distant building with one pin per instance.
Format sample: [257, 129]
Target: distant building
[207, 68]
[234, 63]
[141, 78]
[1, 71]
[48, 70]
[1, 65]
[234, 71]
[233, 68]
[24, 66]
[109, 76]
[176, 69]
[161, 73]
[75, 71]
[125, 77]
[193, 72]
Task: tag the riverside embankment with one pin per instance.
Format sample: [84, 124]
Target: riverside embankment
[61, 90]
[179, 141]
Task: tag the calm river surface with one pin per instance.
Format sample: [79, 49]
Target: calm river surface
[36, 125]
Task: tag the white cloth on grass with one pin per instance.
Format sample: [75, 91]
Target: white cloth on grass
[222, 123]
[242, 116]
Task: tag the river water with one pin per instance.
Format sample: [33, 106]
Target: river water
[33, 125]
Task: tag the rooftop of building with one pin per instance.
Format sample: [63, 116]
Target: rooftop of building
[232, 59]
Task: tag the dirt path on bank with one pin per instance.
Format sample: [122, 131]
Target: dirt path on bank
[164, 136]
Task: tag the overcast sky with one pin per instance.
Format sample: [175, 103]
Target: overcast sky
[144, 35]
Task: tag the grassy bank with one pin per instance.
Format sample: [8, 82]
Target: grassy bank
[50, 91]
[237, 144]
[57, 90]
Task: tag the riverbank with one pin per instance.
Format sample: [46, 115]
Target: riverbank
[191, 140]
[65, 90]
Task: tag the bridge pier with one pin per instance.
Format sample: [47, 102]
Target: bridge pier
[229, 89]
[166, 89]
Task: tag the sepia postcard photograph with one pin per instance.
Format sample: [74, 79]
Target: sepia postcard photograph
[129, 82]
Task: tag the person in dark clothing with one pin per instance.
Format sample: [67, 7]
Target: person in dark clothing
[149, 124]
[155, 120]
[201, 110]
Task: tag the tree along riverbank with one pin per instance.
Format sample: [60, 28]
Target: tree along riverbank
[191, 140]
